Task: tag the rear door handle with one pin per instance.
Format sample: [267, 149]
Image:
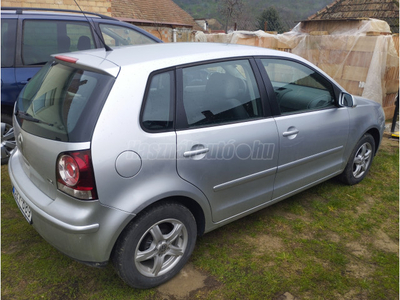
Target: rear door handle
[195, 152]
[23, 82]
[291, 132]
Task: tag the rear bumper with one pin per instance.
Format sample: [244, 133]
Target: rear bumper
[83, 230]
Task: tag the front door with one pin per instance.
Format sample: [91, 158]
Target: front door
[313, 131]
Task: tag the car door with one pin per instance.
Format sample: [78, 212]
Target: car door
[312, 129]
[225, 145]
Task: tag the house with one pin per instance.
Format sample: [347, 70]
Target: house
[162, 18]
[386, 10]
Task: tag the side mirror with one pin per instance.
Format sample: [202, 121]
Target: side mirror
[347, 100]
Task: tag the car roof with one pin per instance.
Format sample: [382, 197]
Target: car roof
[26, 11]
[174, 54]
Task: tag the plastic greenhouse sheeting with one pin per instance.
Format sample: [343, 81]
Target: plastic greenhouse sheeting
[359, 54]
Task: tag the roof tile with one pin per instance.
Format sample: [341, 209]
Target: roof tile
[387, 10]
[157, 11]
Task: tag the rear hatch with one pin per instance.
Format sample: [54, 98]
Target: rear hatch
[57, 112]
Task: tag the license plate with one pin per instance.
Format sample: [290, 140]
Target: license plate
[23, 206]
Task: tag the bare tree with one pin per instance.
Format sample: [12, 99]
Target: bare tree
[230, 9]
[245, 20]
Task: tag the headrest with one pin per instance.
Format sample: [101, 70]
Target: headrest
[222, 86]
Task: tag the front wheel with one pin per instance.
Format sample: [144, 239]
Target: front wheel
[360, 161]
[155, 246]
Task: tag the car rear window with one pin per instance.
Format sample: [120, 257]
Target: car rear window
[62, 102]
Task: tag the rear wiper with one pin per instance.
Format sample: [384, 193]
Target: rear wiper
[28, 117]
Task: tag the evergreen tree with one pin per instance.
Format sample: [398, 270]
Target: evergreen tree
[274, 22]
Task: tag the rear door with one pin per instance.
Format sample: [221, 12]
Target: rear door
[313, 130]
[225, 145]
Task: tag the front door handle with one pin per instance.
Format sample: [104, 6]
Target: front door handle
[195, 152]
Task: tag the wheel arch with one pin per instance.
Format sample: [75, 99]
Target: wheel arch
[189, 203]
[376, 136]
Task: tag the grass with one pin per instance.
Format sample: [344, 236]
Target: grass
[329, 242]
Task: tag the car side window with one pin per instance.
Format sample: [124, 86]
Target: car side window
[8, 35]
[220, 93]
[42, 38]
[115, 35]
[158, 112]
[297, 87]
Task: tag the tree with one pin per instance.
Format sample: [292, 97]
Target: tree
[230, 9]
[246, 19]
[274, 22]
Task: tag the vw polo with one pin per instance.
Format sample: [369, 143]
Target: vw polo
[130, 155]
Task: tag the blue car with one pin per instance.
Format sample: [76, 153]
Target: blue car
[30, 35]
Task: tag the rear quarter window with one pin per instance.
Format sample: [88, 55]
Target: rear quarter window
[158, 108]
[115, 36]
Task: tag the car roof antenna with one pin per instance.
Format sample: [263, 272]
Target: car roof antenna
[108, 48]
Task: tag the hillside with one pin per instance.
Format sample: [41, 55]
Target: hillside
[290, 11]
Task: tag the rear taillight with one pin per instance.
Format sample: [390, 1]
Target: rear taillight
[75, 175]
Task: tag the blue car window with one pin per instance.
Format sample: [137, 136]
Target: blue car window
[8, 35]
[41, 38]
[115, 36]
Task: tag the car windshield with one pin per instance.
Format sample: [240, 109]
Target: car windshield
[62, 103]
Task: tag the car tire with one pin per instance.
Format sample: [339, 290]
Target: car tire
[360, 161]
[7, 138]
[155, 245]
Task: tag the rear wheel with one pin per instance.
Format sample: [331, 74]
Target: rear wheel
[360, 161]
[155, 246]
[7, 138]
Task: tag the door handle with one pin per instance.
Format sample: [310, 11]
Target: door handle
[24, 81]
[195, 152]
[291, 132]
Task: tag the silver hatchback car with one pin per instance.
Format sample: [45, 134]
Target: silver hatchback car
[130, 155]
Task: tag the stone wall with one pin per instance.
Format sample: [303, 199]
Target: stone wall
[166, 33]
